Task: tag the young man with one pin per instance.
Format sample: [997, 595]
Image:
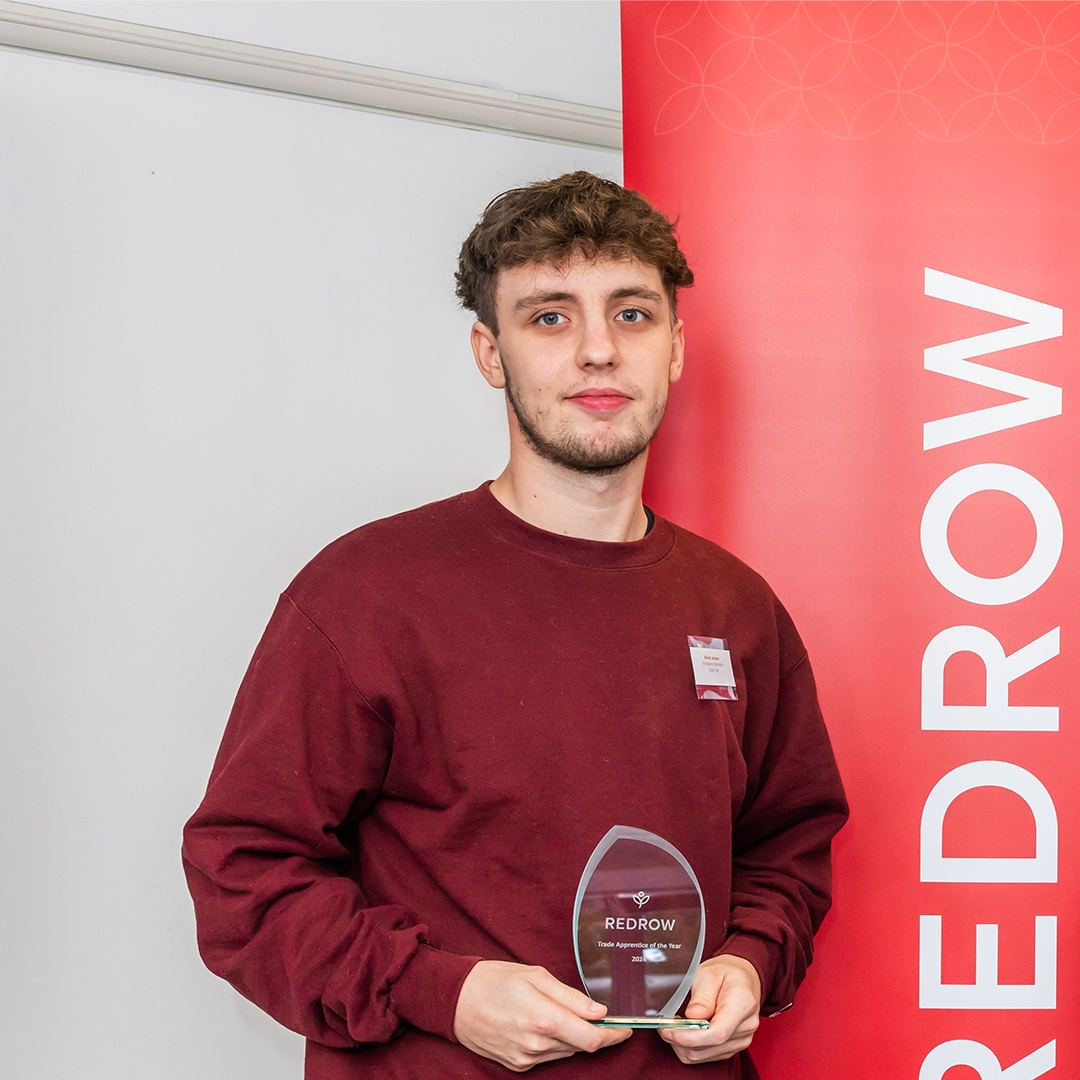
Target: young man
[451, 707]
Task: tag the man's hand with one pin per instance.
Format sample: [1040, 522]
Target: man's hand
[520, 1016]
[727, 992]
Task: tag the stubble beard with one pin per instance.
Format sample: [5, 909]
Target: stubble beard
[573, 451]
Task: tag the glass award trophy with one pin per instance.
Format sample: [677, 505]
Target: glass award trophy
[639, 929]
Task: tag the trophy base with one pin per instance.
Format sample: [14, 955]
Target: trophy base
[649, 1022]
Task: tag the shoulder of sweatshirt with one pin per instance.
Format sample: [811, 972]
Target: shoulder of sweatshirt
[393, 546]
[749, 592]
[714, 564]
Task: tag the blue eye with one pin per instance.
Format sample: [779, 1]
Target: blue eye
[549, 318]
[631, 315]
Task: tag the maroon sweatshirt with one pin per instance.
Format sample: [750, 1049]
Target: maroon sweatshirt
[447, 712]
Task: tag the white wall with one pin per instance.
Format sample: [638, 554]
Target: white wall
[227, 335]
[565, 49]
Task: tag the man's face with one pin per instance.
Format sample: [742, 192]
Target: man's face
[586, 352]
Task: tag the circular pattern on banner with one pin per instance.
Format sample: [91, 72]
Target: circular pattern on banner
[851, 68]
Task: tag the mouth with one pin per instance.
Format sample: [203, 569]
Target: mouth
[600, 399]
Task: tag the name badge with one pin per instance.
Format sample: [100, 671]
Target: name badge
[713, 674]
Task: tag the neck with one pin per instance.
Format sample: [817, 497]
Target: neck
[572, 503]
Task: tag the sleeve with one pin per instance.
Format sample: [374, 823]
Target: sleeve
[781, 844]
[278, 914]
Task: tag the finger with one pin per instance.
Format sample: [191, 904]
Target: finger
[710, 1045]
[540, 1046]
[559, 1023]
[523, 1062]
[704, 993]
[578, 1003]
[574, 1029]
[733, 1012]
[526, 1059]
[734, 1005]
[614, 1036]
[694, 1047]
[729, 1023]
[577, 1034]
[712, 1053]
[691, 1039]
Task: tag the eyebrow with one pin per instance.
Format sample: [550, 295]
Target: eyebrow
[636, 291]
[541, 298]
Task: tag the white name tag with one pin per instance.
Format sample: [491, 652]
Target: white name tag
[712, 667]
[714, 676]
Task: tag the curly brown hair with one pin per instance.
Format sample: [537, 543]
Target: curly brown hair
[551, 221]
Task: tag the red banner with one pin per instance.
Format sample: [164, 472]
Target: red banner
[880, 203]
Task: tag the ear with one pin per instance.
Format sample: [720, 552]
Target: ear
[485, 347]
[678, 344]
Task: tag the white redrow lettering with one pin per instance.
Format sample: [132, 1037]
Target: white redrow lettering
[934, 534]
[1039, 322]
[1036, 401]
[1001, 670]
[986, 992]
[980, 1058]
[978, 774]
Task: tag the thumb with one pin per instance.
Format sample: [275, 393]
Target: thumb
[700, 1009]
[704, 994]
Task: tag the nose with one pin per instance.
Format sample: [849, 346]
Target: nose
[597, 347]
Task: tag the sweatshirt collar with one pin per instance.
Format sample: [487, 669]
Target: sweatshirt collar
[598, 554]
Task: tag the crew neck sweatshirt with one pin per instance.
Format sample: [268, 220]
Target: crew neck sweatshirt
[447, 712]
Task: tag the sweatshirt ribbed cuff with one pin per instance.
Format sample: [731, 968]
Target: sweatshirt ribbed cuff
[765, 956]
[426, 993]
